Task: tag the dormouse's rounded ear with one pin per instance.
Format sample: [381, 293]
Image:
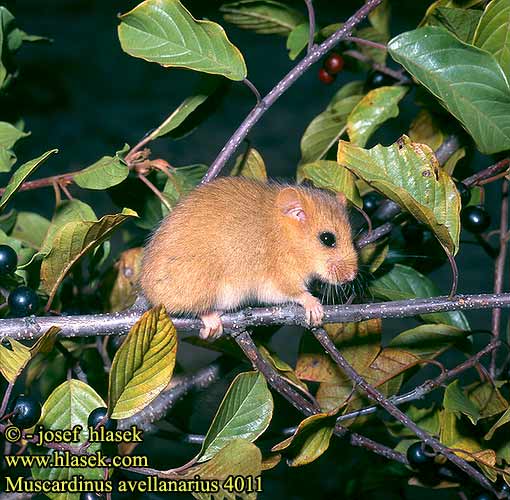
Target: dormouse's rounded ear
[341, 199]
[290, 203]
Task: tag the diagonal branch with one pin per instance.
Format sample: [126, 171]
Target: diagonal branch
[256, 113]
[245, 342]
[428, 386]
[373, 394]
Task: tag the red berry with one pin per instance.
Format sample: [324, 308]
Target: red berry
[325, 77]
[334, 63]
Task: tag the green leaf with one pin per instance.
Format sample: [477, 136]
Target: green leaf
[239, 458]
[326, 128]
[103, 174]
[493, 32]
[374, 53]
[181, 181]
[460, 22]
[373, 110]
[144, 364]
[298, 40]
[71, 242]
[20, 175]
[380, 18]
[311, 438]
[283, 368]
[67, 211]
[164, 32]
[468, 81]
[250, 164]
[504, 419]
[403, 282]
[409, 174]
[330, 175]
[206, 87]
[262, 16]
[67, 406]
[30, 228]
[245, 413]
[428, 341]
[9, 135]
[7, 160]
[487, 398]
[455, 400]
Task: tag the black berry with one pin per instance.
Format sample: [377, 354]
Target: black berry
[503, 487]
[465, 193]
[371, 202]
[90, 495]
[25, 412]
[325, 77]
[334, 63]
[8, 260]
[97, 415]
[420, 455]
[377, 79]
[417, 235]
[484, 495]
[475, 219]
[23, 301]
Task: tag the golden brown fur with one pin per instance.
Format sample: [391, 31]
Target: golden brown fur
[231, 241]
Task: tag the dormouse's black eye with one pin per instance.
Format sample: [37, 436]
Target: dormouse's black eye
[328, 239]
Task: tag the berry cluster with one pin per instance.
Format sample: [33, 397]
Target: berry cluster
[333, 65]
[22, 301]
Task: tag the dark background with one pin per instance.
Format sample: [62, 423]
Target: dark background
[85, 96]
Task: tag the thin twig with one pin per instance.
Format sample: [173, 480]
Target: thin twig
[155, 190]
[428, 386]
[245, 342]
[368, 43]
[499, 270]
[119, 323]
[399, 76]
[254, 89]
[5, 399]
[373, 394]
[294, 74]
[486, 173]
[311, 22]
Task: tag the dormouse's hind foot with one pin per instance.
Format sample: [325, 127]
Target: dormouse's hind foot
[213, 328]
[314, 311]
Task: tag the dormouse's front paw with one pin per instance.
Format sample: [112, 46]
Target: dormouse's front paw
[213, 328]
[314, 311]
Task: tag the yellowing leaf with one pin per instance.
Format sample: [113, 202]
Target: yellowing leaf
[426, 129]
[409, 174]
[374, 109]
[13, 360]
[329, 175]
[71, 242]
[143, 365]
[123, 293]
[239, 458]
[250, 164]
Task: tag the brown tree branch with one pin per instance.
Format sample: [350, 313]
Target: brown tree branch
[287, 81]
[428, 386]
[245, 342]
[499, 270]
[373, 394]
